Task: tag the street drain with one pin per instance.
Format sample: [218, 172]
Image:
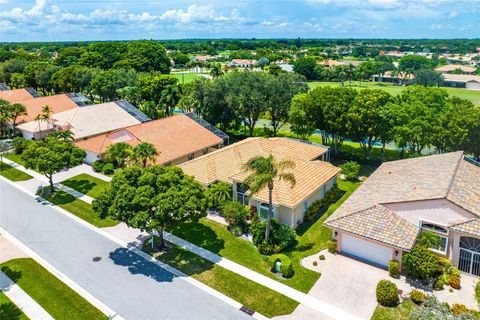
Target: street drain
[96, 259]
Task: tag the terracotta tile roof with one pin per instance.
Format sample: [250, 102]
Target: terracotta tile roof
[15, 95]
[465, 188]
[57, 103]
[471, 227]
[222, 164]
[380, 224]
[453, 67]
[445, 176]
[244, 61]
[174, 137]
[88, 121]
[226, 165]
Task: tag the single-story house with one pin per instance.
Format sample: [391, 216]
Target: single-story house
[314, 176]
[466, 81]
[84, 122]
[203, 58]
[243, 63]
[178, 139]
[382, 219]
[331, 63]
[399, 77]
[449, 68]
[17, 95]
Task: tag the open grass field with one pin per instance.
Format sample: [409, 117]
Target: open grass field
[185, 77]
[13, 174]
[9, 311]
[472, 95]
[311, 238]
[251, 294]
[53, 295]
[79, 208]
[86, 184]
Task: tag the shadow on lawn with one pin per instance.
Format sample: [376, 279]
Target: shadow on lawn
[139, 265]
[10, 311]
[201, 235]
[12, 274]
[83, 186]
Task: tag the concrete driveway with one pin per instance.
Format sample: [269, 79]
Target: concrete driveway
[350, 285]
[129, 284]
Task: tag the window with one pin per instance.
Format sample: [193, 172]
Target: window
[205, 150]
[305, 206]
[168, 164]
[242, 196]
[263, 211]
[191, 156]
[440, 232]
[324, 189]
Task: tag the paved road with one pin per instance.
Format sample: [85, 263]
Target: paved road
[132, 286]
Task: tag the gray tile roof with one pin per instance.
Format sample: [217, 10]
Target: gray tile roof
[465, 188]
[380, 224]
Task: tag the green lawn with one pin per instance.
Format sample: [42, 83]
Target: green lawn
[399, 312]
[311, 237]
[9, 311]
[54, 296]
[251, 294]
[186, 77]
[86, 184]
[471, 95]
[15, 158]
[13, 174]
[79, 208]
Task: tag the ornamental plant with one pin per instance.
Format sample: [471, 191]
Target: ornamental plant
[387, 293]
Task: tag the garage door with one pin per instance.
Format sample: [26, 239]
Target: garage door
[366, 250]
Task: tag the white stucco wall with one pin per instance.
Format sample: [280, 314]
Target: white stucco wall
[91, 157]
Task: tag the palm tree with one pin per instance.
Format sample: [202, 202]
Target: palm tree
[219, 193]
[145, 151]
[65, 135]
[44, 115]
[118, 152]
[263, 172]
[17, 110]
[170, 97]
[5, 114]
[216, 71]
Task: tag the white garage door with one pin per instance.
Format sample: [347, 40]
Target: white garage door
[473, 85]
[366, 250]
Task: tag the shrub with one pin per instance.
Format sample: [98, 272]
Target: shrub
[318, 207]
[313, 210]
[19, 144]
[287, 270]
[332, 246]
[420, 262]
[387, 293]
[350, 169]
[417, 296]
[321, 257]
[438, 284]
[236, 230]
[455, 282]
[394, 269]
[234, 213]
[108, 168]
[281, 236]
[315, 263]
[458, 309]
[432, 309]
[98, 165]
[278, 257]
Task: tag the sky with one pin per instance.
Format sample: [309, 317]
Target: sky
[56, 20]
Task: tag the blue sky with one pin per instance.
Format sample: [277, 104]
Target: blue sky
[55, 20]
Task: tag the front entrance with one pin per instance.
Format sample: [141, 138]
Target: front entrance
[469, 260]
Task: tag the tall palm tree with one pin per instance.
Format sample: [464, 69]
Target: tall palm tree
[145, 151]
[65, 135]
[118, 152]
[17, 110]
[44, 116]
[170, 96]
[263, 172]
[216, 71]
[5, 110]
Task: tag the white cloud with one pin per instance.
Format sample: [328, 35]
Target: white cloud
[453, 14]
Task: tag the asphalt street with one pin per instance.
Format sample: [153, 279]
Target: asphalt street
[133, 287]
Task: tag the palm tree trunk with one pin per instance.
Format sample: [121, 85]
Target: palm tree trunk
[269, 217]
[162, 240]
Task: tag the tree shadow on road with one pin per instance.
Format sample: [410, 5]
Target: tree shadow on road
[139, 265]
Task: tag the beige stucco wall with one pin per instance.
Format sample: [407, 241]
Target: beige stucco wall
[440, 211]
[185, 158]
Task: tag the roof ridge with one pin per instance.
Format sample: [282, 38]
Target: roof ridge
[357, 212]
[463, 222]
[454, 175]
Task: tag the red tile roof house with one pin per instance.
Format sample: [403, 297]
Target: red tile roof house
[178, 139]
[382, 219]
[244, 63]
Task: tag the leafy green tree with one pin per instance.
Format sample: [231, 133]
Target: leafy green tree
[17, 80]
[39, 74]
[131, 94]
[110, 51]
[306, 67]
[262, 173]
[350, 169]
[364, 121]
[145, 55]
[420, 262]
[11, 66]
[119, 153]
[144, 152]
[69, 56]
[161, 90]
[92, 59]
[180, 58]
[412, 63]
[218, 193]
[153, 198]
[300, 121]
[427, 78]
[234, 213]
[281, 90]
[72, 79]
[216, 71]
[52, 155]
[106, 84]
[274, 69]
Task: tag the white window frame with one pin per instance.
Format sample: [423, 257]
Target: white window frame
[440, 234]
[264, 206]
